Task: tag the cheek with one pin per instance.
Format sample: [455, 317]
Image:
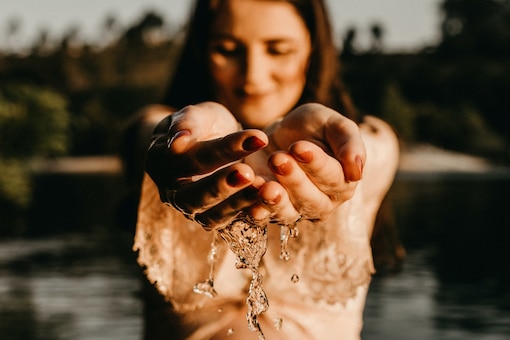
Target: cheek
[222, 70]
[293, 74]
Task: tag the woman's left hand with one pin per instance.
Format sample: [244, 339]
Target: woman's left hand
[316, 161]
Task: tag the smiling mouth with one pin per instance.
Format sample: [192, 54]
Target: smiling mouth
[251, 94]
[251, 97]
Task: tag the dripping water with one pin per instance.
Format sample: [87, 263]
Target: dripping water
[207, 287]
[248, 241]
[286, 231]
[278, 323]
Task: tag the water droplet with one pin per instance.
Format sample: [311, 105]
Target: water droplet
[284, 255]
[230, 332]
[294, 231]
[287, 231]
[284, 240]
[294, 278]
[220, 310]
[206, 288]
[278, 323]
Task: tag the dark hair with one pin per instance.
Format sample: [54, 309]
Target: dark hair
[191, 82]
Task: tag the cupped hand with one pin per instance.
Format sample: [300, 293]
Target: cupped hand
[317, 158]
[194, 160]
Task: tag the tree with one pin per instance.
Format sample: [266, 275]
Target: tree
[110, 29]
[349, 43]
[377, 32]
[480, 27]
[12, 30]
[142, 32]
[34, 123]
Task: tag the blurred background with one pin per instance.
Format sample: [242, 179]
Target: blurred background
[72, 73]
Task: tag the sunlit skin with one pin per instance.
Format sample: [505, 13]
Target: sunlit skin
[258, 56]
[253, 150]
[315, 158]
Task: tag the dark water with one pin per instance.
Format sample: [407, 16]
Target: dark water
[68, 287]
[82, 282]
[455, 282]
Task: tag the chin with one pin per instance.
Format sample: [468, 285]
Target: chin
[258, 117]
[257, 120]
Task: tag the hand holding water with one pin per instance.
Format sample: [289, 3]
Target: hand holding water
[195, 161]
[317, 159]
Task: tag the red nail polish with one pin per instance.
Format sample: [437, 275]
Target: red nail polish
[275, 200]
[236, 179]
[359, 163]
[282, 169]
[253, 143]
[304, 157]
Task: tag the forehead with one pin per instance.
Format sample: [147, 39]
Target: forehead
[259, 19]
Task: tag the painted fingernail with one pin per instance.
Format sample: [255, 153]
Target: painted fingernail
[275, 200]
[304, 157]
[282, 169]
[253, 143]
[359, 164]
[235, 179]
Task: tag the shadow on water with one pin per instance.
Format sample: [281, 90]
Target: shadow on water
[75, 276]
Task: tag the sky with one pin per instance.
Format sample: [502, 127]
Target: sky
[408, 24]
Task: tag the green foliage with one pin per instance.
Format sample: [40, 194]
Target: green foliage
[398, 112]
[445, 94]
[99, 116]
[34, 123]
[15, 188]
[463, 128]
[479, 27]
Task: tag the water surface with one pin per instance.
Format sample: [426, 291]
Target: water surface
[83, 283]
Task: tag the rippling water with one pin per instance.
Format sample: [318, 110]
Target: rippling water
[78, 286]
[455, 283]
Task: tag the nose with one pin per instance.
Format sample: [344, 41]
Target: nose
[257, 71]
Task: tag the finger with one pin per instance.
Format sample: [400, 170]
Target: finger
[223, 213]
[205, 121]
[308, 199]
[210, 155]
[197, 197]
[344, 139]
[188, 158]
[324, 171]
[276, 201]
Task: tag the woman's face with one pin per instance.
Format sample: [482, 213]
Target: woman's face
[258, 57]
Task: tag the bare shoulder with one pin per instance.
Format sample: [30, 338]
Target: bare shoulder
[382, 149]
[376, 128]
[153, 114]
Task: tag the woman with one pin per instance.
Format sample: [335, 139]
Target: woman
[271, 134]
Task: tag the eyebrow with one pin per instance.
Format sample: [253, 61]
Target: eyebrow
[221, 36]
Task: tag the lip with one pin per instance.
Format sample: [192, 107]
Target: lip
[252, 96]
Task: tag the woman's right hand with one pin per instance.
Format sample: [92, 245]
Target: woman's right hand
[194, 159]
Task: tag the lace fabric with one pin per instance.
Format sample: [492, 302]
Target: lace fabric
[333, 263]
